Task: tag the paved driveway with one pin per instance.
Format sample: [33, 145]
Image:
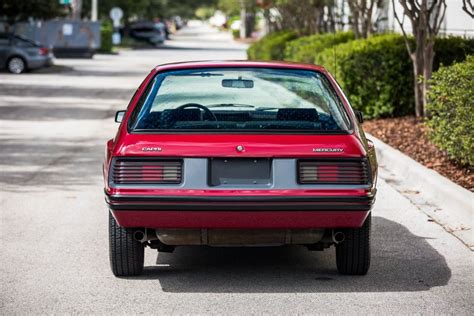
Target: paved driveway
[53, 127]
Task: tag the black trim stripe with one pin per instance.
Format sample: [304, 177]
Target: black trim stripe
[242, 203]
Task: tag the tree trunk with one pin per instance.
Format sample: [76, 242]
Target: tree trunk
[77, 10]
[355, 23]
[243, 20]
[426, 18]
[418, 67]
[427, 72]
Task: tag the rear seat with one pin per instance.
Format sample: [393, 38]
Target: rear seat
[310, 115]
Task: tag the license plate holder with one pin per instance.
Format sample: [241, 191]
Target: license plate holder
[240, 172]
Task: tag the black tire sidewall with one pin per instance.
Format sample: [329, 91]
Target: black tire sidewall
[353, 254]
[126, 254]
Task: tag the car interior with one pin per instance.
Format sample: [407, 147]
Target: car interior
[200, 117]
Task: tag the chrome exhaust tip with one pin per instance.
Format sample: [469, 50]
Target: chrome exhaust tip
[140, 236]
[338, 237]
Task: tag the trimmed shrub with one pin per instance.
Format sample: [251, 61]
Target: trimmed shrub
[270, 47]
[106, 31]
[236, 34]
[451, 105]
[305, 49]
[376, 74]
[452, 49]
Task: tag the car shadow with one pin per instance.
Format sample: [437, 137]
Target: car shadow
[401, 261]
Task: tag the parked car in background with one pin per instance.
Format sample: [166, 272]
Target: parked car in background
[239, 154]
[18, 54]
[151, 32]
[178, 22]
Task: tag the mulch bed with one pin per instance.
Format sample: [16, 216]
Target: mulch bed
[409, 135]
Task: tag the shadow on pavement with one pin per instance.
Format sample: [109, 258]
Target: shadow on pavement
[44, 70]
[42, 112]
[401, 261]
[111, 73]
[65, 91]
[213, 49]
[42, 164]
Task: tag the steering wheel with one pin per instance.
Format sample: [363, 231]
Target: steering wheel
[207, 112]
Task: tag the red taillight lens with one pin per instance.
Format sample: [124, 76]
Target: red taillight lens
[333, 171]
[43, 51]
[146, 171]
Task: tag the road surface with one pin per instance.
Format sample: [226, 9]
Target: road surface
[54, 242]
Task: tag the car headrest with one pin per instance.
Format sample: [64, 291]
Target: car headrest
[310, 115]
[187, 115]
[169, 117]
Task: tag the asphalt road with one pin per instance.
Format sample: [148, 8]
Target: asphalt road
[53, 127]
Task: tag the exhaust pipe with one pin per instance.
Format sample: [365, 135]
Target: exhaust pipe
[139, 235]
[144, 235]
[338, 237]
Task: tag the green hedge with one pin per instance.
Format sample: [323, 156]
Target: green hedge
[270, 47]
[305, 49]
[452, 49]
[236, 34]
[451, 108]
[106, 31]
[377, 73]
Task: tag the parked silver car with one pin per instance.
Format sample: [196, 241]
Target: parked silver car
[18, 54]
[153, 33]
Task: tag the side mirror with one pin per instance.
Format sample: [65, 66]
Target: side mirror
[360, 116]
[119, 116]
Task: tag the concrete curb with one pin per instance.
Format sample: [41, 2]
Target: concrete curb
[444, 201]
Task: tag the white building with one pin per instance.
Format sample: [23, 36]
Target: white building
[456, 21]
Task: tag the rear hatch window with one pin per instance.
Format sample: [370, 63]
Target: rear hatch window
[240, 100]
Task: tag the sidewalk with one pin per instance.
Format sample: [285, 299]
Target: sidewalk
[445, 202]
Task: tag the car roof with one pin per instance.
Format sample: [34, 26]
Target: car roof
[238, 63]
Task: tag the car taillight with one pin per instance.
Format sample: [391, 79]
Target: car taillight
[43, 51]
[146, 171]
[326, 171]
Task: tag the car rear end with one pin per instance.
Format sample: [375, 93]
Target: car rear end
[39, 57]
[240, 154]
[19, 54]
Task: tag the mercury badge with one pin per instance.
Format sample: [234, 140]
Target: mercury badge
[240, 148]
[155, 149]
[328, 150]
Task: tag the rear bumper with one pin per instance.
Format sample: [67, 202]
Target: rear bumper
[241, 219]
[240, 211]
[38, 62]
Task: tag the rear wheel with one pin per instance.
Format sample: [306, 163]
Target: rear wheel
[126, 254]
[16, 65]
[353, 254]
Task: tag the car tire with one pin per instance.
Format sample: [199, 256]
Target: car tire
[16, 65]
[126, 254]
[353, 254]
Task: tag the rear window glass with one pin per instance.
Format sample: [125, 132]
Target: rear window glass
[240, 99]
[23, 42]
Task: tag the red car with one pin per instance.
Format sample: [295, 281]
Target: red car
[239, 153]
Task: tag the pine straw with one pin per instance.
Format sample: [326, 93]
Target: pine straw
[409, 135]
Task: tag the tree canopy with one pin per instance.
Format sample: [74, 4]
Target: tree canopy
[17, 10]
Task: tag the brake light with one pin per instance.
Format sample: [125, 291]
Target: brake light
[43, 51]
[146, 171]
[326, 171]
